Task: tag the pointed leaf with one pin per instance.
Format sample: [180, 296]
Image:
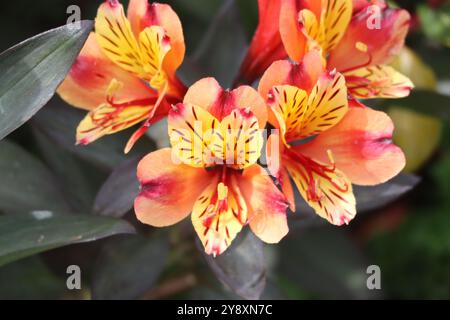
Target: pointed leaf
[242, 267]
[31, 72]
[24, 235]
[26, 184]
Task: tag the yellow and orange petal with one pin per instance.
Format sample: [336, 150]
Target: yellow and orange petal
[324, 187]
[106, 119]
[219, 214]
[379, 81]
[142, 56]
[300, 116]
[143, 14]
[240, 139]
[191, 130]
[87, 82]
[200, 140]
[168, 190]
[362, 147]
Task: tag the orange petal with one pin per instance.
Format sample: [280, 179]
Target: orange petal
[362, 46]
[290, 30]
[380, 81]
[86, 85]
[266, 205]
[219, 215]
[142, 14]
[266, 46]
[327, 190]
[362, 147]
[208, 94]
[303, 75]
[168, 190]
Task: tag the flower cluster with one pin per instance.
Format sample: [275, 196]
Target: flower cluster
[325, 138]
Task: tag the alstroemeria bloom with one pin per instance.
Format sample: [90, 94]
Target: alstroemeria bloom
[125, 74]
[211, 170]
[324, 145]
[357, 38]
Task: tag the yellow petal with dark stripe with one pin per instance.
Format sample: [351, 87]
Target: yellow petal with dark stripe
[143, 57]
[327, 105]
[191, 131]
[115, 37]
[289, 105]
[335, 18]
[239, 141]
[107, 119]
[380, 81]
[154, 46]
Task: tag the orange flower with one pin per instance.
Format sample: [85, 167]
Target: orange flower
[211, 169]
[325, 146]
[356, 38]
[125, 74]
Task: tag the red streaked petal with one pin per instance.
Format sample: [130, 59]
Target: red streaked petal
[219, 214]
[380, 81]
[326, 189]
[362, 147]
[168, 190]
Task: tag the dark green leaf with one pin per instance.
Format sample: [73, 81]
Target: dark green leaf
[242, 267]
[116, 197]
[129, 267]
[220, 53]
[26, 184]
[29, 279]
[31, 72]
[326, 263]
[28, 234]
